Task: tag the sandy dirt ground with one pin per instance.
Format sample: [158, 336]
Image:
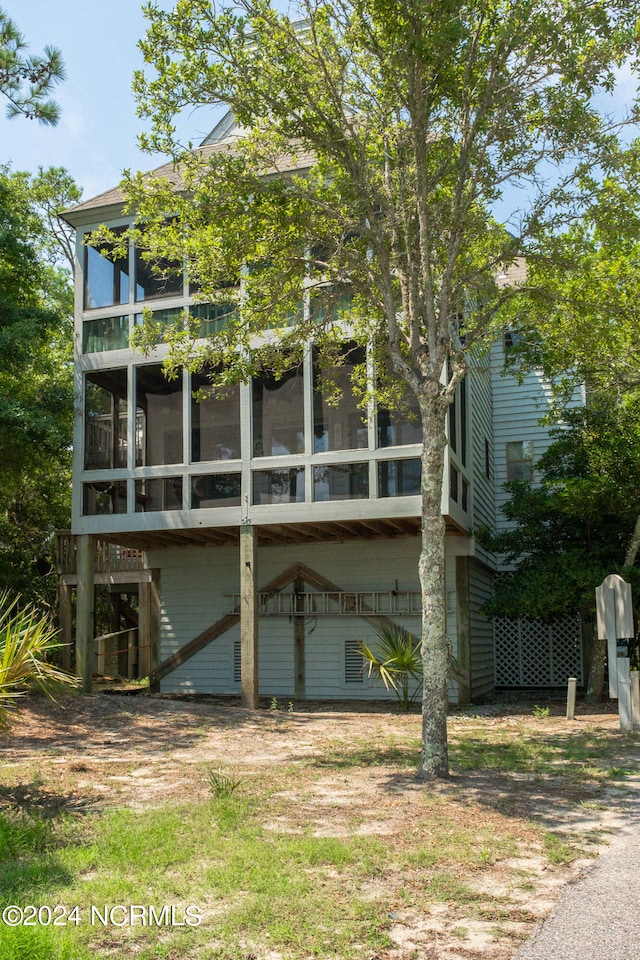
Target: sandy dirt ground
[93, 753]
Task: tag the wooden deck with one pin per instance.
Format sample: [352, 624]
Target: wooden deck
[113, 563]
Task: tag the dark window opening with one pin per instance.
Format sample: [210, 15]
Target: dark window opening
[349, 481]
[105, 421]
[338, 425]
[215, 422]
[278, 486]
[106, 280]
[162, 493]
[278, 414]
[156, 278]
[399, 478]
[104, 498]
[215, 490]
[158, 417]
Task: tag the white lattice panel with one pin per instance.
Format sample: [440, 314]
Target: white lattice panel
[532, 653]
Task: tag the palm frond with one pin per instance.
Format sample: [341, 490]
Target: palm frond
[27, 639]
[395, 661]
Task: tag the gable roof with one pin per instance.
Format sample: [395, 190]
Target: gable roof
[224, 136]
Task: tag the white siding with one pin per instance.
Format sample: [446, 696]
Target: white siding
[481, 439]
[197, 588]
[481, 631]
[517, 411]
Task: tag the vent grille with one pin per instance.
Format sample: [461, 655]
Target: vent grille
[353, 662]
[237, 662]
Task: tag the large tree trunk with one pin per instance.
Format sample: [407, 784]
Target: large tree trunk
[434, 760]
[634, 545]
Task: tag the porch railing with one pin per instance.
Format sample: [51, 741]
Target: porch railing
[108, 557]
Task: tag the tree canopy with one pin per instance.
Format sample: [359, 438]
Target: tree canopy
[376, 139]
[36, 381]
[572, 525]
[27, 80]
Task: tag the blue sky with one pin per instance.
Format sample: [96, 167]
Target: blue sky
[96, 136]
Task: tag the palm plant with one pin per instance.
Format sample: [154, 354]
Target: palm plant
[27, 638]
[396, 661]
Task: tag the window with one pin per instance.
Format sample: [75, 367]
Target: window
[399, 427]
[338, 426]
[105, 420]
[106, 281]
[156, 278]
[278, 414]
[108, 333]
[399, 478]
[520, 460]
[215, 422]
[510, 338]
[213, 316]
[454, 480]
[163, 319]
[349, 481]
[163, 493]
[158, 417]
[215, 490]
[278, 486]
[104, 498]
[458, 415]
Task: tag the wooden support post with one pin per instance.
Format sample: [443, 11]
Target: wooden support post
[463, 616]
[66, 630]
[299, 672]
[144, 628]
[85, 611]
[132, 653]
[154, 630]
[249, 615]
[571, 697]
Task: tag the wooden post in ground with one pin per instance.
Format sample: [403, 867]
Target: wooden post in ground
[249, 615]
[66, 630]
[144, 628]
[299, 672]
[154, 630]
[571, 697]
[85, 612]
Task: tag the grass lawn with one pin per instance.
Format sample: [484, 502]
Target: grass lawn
[314, 841]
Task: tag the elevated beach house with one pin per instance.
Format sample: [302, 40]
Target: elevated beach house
[271, 531]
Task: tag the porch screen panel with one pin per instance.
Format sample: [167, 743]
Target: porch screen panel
[158, 417]
[105, 421]
[215, 422]
[400, 425]
[106, 279]
[278, 414]
[338, 425]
